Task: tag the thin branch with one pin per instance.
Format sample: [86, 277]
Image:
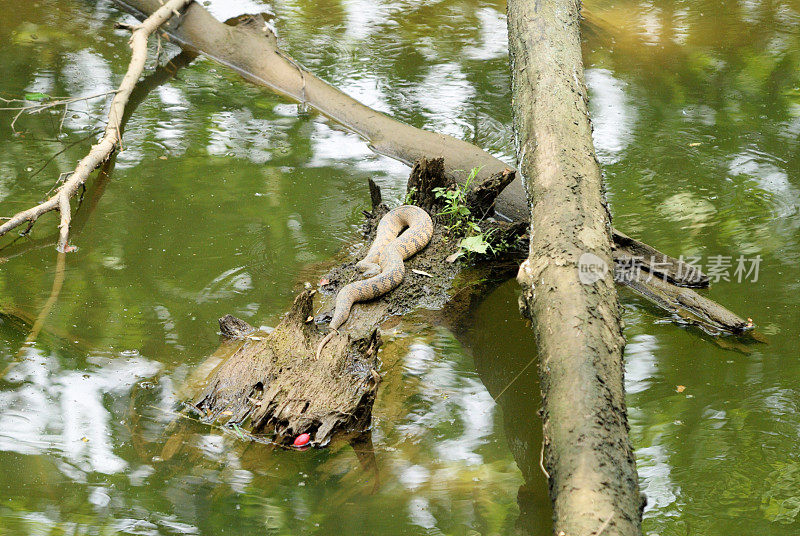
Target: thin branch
[63, 117]
[62, 151]
[52, 102]
[160, 75]
[46, 105]
[111, 138]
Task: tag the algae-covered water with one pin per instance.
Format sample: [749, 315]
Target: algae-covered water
[225, 197]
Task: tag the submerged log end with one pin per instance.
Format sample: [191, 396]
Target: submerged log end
[234, 328]
[272, 385]
[322, 397]
[631, 254]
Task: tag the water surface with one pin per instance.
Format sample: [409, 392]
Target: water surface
[226, 196]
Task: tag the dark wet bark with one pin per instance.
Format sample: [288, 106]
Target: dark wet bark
[426, 176]
[588, 454]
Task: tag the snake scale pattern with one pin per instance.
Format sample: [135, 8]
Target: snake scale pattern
[383, 266]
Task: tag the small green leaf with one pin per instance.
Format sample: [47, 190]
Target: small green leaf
[37, 97]
[475, 244]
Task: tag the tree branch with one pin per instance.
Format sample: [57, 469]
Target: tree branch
[112, 137]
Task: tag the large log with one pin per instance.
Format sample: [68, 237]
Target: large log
[251, 50]
[576, 316]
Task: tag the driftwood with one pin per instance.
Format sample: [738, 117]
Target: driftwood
[112, 136]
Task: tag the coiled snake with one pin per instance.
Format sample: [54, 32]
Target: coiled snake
[383, 265]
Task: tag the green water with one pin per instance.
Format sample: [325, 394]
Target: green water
[226, 196]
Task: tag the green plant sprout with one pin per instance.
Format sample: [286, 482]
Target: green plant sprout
[460, 221]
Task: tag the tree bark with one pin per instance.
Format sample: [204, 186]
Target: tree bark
[576, 317]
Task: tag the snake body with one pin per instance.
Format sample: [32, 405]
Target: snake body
[383, 265]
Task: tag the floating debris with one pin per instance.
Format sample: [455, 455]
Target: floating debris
[302, 440]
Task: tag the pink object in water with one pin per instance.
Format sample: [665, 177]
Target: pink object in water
[302, 440]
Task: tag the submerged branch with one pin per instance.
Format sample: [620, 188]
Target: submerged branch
[160, 75]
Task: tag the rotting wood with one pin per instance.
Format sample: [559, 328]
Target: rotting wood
[272, 383]
[112, 136]
[272, 386]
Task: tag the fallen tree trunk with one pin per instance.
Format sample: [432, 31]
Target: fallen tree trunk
[251, 50]
[594, 485]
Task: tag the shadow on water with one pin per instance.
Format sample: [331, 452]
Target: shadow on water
[504, 351]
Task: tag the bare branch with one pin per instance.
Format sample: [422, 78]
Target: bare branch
[111, 137]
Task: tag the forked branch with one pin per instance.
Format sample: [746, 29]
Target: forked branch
[112, 136]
